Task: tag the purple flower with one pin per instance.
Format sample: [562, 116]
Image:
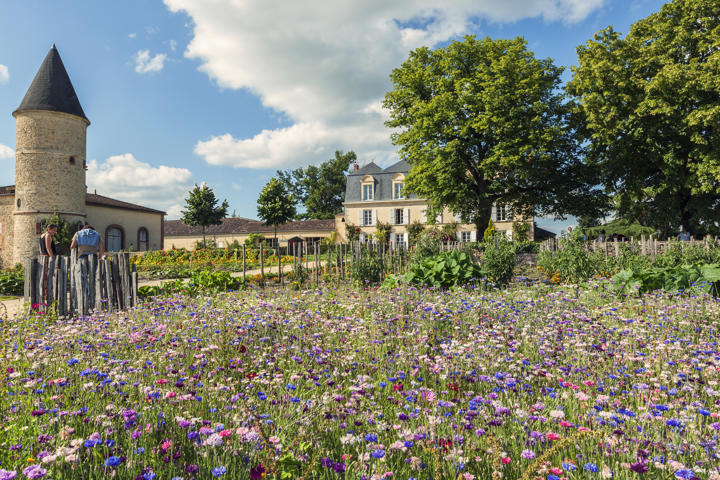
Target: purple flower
[639, 467]
[192, 469]
[7, 474]
[34, 471]
[527, 454]
[218, 471]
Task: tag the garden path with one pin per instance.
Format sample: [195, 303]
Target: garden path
[13, 306]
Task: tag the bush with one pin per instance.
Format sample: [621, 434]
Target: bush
[415, 229]
[490, 231]
[498, 263]
[368, 268]
[521, 231]
[428, 245]
[12, 282]
[571, 264]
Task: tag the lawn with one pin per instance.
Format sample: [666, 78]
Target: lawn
[525, 383]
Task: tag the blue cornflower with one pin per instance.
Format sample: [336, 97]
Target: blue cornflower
[139, 450]
[378, 453]
[685, 473]
[408, 444]
[113, 462]
[261, 395]
[149, 476]
[218, 471]
[591, 467]
[371, 437]
[568, 466]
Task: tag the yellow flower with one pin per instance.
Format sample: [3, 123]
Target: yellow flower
[30, 460]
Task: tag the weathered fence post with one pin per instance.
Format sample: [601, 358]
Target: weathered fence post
[243, 261]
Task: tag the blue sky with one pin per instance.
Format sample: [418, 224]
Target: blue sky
[226, 92]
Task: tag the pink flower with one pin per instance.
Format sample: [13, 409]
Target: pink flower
[552, 436]
[505, 460]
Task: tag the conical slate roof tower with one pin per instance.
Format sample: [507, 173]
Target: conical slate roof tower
[51, 89]
[50, 149]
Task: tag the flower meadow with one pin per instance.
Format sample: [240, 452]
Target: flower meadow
[532, 382]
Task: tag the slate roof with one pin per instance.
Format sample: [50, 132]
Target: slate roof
[51, 89]
[240, 225]
[95, 199]
[383, 181]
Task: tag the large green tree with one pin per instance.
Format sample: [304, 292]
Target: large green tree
[320, 189]
[650, 107]
[483, 121]
[201, 208]
[275, 204]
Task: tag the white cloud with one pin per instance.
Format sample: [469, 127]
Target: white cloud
[132, 35]
[173, 44]
[144, 63]
[4, 74]
[325, 65]
[125, 178]
[6, 152]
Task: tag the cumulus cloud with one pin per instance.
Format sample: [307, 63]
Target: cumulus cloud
[125, 178]
[6, 152]
[325, 65]
[145, 63]
[4, 74]
[132, 35]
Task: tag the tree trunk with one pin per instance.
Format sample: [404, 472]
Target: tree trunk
[482, 218]
[203, 232]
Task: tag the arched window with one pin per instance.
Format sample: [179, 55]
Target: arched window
[114, 238]
[142, 239]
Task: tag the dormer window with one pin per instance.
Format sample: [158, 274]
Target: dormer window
[368, 188]
[398, 186]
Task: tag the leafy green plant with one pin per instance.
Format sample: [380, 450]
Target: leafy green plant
[12, 282]
[428, 245]
[572, 264]
[212, 281]
[499, 261]
[521, 231]
[382, 232]
[368, 268]
[446, 269]
[415, 229]
[699, 277]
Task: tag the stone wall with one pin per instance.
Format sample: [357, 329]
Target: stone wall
[49, 174]
[7, 203]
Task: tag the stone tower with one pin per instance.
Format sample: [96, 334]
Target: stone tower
[50, 155]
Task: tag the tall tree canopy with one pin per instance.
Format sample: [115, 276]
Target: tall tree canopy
[482, 121]
[650, 104]
[275, 204]
[201, 208]
[321, 189]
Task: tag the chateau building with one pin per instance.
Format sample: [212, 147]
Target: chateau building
[374, 194]
[50, 169]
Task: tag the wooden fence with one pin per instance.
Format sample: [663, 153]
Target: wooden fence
[643, 246]
[71, 286]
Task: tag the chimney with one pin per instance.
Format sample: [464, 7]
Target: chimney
[355, 167]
